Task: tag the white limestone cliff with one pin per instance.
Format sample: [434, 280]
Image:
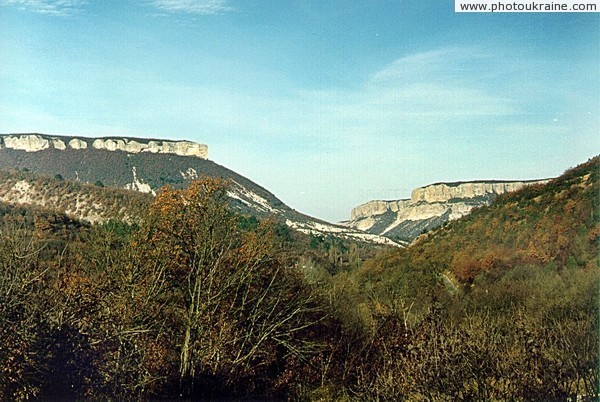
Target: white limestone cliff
[76, 143]
[39, 142]
[378, 207]
[444, 192]
[25, 142]
[428, 206]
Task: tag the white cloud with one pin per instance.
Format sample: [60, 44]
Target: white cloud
[60, 8]
[201, 7]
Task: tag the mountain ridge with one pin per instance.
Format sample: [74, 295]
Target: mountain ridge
[149, 171]
[429, 206]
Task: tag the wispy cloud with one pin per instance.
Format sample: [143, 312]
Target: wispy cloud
[198, 7]
[445, 83]
[417, 95]
[441, 65]
[59, 8]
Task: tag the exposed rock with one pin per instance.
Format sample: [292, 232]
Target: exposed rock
[189, 174]
[316, 228]
[181, 148]
[29, 143]
[39, 142]
[75, 143]
[139, 185]
[59, 144]
[428, 207]
[74, 201]
[444, 192]
[377, 208]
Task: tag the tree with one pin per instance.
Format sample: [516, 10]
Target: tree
[239, 311]
[21, 304]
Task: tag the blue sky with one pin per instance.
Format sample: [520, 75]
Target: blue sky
[328, 104]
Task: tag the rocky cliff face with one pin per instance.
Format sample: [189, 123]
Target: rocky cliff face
[39, 142]
[428, 207]
[445, 192]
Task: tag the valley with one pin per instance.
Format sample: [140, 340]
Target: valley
[113, 285]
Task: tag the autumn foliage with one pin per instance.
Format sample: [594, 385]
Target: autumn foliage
[186, 304]
[197, 302]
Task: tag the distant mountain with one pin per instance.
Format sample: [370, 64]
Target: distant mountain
[144, 165]
[556, 224]
[429, 207]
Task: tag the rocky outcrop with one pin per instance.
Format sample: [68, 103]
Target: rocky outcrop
[378, 207]
[139, 185]
[39, 142]
[428, 207]
[445, 192]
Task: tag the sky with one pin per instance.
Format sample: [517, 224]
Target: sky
[327, 104]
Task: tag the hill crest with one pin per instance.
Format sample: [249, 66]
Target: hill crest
[111, 162]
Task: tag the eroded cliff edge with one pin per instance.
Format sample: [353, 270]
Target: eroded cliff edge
[40, 142]
[428, 207]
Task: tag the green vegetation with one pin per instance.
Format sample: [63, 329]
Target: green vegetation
[197, 302]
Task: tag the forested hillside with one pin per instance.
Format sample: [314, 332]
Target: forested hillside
[553, 226]
[196, 301]
[501, 304]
